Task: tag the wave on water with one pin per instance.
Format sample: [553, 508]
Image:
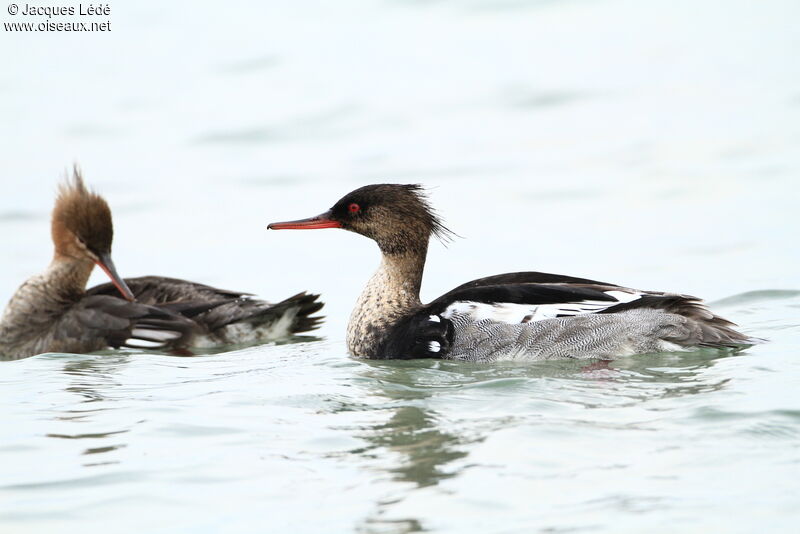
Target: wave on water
[749, 297]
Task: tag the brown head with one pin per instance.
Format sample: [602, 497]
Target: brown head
[398, 217]
[82, 229]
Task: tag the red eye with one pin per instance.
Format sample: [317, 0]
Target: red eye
[354, 208]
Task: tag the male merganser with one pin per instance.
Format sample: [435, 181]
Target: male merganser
[524, 315]
[52, 312]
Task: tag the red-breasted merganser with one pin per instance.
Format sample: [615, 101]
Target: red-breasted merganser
[52, 312]
[524, 315]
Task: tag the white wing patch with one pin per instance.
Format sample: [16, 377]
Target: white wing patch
[151, 338]
[505, 312]
[155, 335]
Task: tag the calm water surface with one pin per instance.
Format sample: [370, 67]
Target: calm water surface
[656, 145]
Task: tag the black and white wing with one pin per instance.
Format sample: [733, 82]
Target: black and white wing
[527, 297]
[231, 316]
[124, 324]
[486, 318]
[511, 298]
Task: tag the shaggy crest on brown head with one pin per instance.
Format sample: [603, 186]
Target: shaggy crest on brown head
[81, 222]
[82, 229]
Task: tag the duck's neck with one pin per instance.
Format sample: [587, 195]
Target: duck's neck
[63, 283]
[391, 294]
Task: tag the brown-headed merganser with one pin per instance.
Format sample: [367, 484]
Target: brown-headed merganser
[52, 312]
[524, 315]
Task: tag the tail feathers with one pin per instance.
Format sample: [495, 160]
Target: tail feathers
[305, 305]
[259, 314]
[705, 328]
[717, 336]
[728, 338]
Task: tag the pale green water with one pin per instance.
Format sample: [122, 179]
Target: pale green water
[301, 438]
[653, 145]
